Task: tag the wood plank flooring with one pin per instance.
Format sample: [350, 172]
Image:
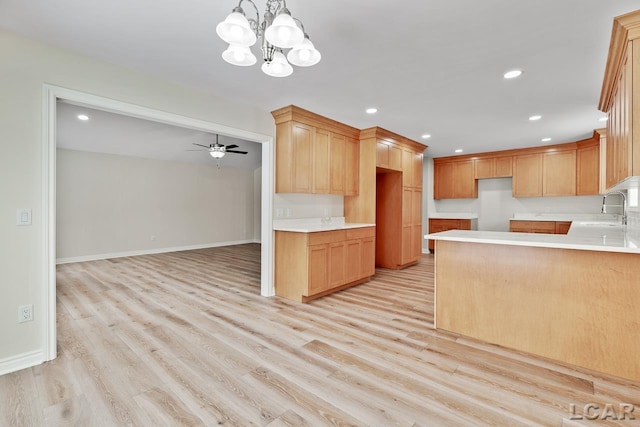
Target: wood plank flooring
[185, 338]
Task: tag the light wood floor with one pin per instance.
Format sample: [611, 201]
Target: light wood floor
[185, 339]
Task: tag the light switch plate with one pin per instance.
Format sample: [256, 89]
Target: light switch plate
[23, 217]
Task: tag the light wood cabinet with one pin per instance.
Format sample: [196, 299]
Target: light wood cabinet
[620, 99]
[337, 164]
[493, 167]
[437, 225]
[559, 173]
[320, 155]
[388, 155]
[551, 173]
[310, 265]
[351, 167]
[455, 179]
[588, 167]
[527, 175]
[411, 248]
[314, 154]
[542, 227]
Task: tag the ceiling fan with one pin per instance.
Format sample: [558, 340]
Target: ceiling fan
[217, 150]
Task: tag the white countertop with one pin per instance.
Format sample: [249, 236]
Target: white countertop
[607, 236]
[452, 215]
[312, 225]
[564, 217]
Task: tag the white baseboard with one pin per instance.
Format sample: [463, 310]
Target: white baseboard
[151, 251]
[21, 361]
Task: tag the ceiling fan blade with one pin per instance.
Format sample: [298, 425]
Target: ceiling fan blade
[200, 145]
[237, 152]
[232, 146]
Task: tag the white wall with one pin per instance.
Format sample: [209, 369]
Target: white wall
[26, 66]
[307, 205]
[110, 205]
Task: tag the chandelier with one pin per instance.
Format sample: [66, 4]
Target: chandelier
[277, 31]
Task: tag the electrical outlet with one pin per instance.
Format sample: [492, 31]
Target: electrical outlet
[25, 313]
[152, 238]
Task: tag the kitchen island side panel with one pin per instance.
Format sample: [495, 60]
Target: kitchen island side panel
[575, 306]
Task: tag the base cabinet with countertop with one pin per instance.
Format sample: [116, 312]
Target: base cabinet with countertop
[451, 222]
[309, 265]
[543, 227]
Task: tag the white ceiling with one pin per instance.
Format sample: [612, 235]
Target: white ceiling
[429, 66]
[107, 132]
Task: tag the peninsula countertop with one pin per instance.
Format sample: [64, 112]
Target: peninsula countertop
[313, 225]
[603, 235]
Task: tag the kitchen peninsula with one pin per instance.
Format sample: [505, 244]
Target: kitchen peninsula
[572, 298]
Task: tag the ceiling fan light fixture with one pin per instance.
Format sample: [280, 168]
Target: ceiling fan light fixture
[216, 154]
[235, 29]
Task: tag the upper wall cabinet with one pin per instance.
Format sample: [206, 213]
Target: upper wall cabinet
[454, 179]
[620, 98]
[315, 154]
[559, 170]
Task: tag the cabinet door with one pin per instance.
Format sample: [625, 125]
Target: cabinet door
[338, 158]
[562, 227]
[416, 222]
[407, 249]
[485, 168]
[437, 225]
[465, 185]
[588, 170]
[527, 175]
[354, 260]
[407, 168]
[337, 273]
[417, 170]
[503, 167]
[559, 173]
[382, 155]
[301, 146]
[368, 257]
[352, 167]
[320, 161]
[318, 269]
[443, 180]
[284, 159]
[395, 157]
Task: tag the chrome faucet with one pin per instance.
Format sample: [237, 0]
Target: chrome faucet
[624, 204]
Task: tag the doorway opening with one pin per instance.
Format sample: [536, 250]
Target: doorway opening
[53, 94]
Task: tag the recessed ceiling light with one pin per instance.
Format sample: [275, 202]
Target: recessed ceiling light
[604, 119]
[372, 110]
[426, 136]
[83, 117]
[512, 74]
[546, 139]
[459, 150]
[534, 118]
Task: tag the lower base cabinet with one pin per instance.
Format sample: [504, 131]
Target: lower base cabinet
[311, 265]
[542, 227]
[437, 225]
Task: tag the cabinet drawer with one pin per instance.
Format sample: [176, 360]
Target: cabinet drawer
[322, 237]
[360, 233]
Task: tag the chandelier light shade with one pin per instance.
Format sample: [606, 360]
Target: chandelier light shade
[278, 66]
[283, 31]
[236, 29]
[277, 31]
[304, 54]
[239, 55]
